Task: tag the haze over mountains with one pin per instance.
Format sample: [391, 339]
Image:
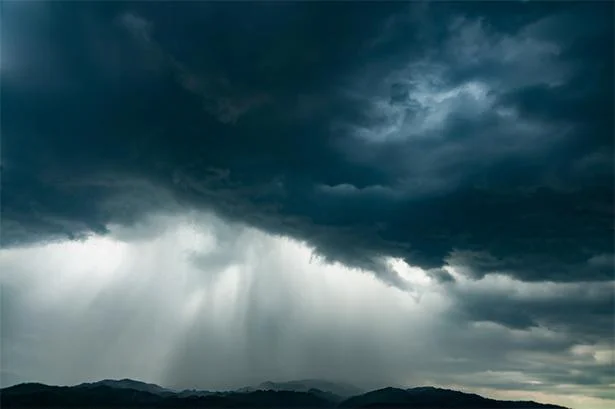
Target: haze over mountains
[303, 394]
[340, 389]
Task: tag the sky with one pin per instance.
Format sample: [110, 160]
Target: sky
[210, 195]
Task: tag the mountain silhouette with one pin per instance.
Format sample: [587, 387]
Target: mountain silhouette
[127, 393]
[433, 398]
[129, 384]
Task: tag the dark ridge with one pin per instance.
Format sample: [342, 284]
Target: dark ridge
[433, 398]
[127, 393]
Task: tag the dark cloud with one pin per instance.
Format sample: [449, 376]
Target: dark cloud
[430, 133]
[584, 310]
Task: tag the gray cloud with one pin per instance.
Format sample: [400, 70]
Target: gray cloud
[583, 308]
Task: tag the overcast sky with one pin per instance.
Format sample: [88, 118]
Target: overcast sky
[210, 195]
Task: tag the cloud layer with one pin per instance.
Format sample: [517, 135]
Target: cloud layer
[418, 131]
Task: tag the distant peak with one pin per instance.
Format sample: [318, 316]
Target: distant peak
[127, 383]
[305, 385]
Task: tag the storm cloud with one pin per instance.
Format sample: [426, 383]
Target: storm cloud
[234, 155]
[351, 126]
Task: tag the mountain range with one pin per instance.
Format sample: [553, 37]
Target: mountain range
[303, 394]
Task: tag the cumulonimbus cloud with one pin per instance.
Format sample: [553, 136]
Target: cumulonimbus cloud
[477, 156]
